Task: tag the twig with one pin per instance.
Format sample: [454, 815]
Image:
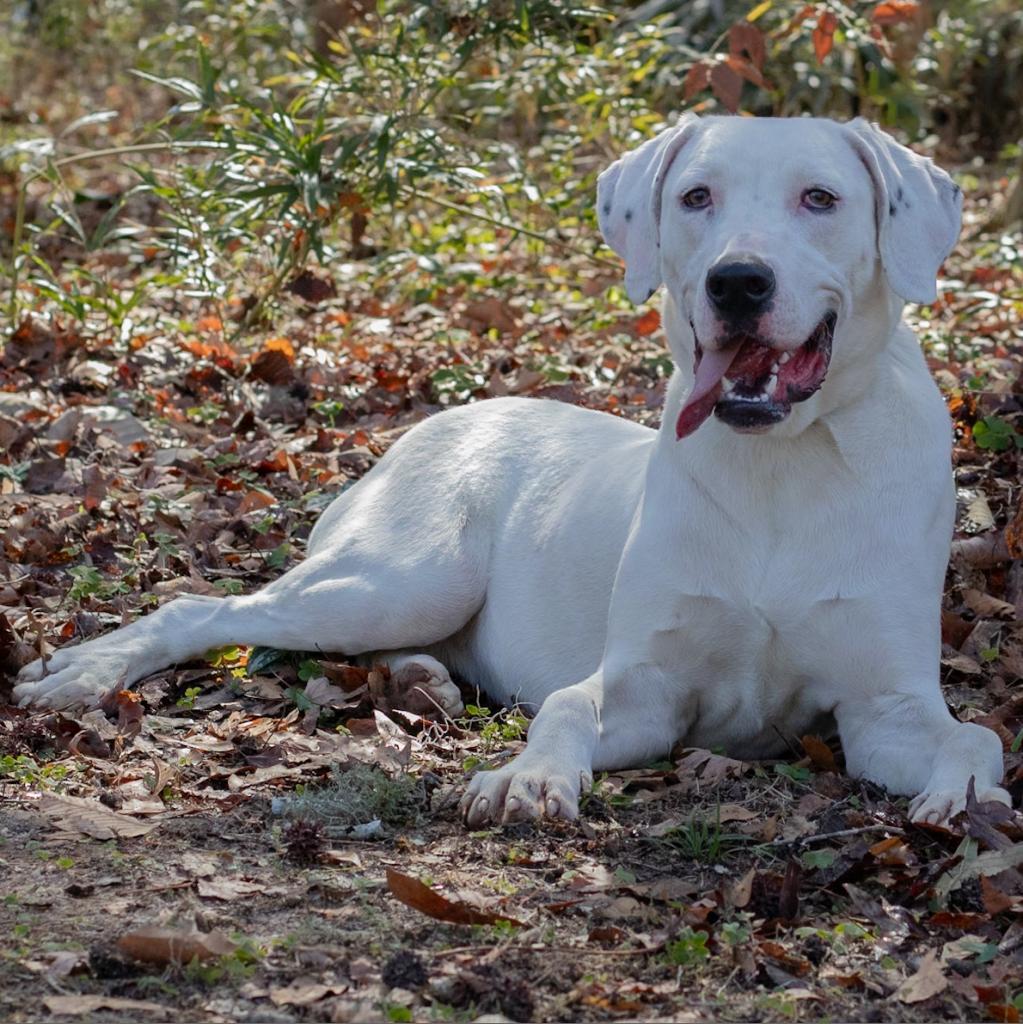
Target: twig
[540, 947]
[840, 834]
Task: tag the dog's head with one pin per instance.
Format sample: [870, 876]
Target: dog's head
[773, 236]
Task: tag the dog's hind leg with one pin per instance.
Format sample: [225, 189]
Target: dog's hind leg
[349, 602]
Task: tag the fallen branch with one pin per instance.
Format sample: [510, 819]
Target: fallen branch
[822, 837]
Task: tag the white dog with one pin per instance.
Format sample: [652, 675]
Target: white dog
[772, 569]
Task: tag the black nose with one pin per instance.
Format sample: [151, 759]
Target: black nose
[740, 289]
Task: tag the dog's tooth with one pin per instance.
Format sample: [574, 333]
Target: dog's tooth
[727, 386]
[772, 382]
[786, 356]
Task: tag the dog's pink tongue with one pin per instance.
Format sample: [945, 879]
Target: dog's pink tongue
[712, 366]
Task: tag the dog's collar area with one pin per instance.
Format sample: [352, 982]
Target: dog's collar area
[750, 385]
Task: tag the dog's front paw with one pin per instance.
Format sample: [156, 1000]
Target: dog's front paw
[527, 788]
[941, 806]
[70, 678]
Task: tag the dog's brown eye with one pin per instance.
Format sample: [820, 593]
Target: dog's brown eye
[697, 198]
[819, 199]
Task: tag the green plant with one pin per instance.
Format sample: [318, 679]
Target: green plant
[496, 727]
[702, 840]
[794, 772]
[996, 434]
[688, 949]
[231, 969]
[188, 700]
[28, 771]
[735, 933]
[89, 582]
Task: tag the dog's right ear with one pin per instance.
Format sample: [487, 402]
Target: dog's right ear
[629, 206]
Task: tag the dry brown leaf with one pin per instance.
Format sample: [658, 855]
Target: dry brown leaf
[164, 946]
[738, 893]
[819, 752]
[304, 992]
[227, 888]
[962, 663]
[421, 897]
[708, 767]
[91, 818]
[491, 314]
[986, 606]
[928, 980]
[75, 1006]
[326, 694]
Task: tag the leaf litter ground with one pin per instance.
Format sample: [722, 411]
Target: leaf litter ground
[261, 839]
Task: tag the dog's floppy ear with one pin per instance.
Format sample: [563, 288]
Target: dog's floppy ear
[918, 209]
[629, 206]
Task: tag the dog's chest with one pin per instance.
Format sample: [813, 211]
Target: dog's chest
[751, 668]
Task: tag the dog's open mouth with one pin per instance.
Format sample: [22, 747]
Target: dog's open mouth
[750, 385]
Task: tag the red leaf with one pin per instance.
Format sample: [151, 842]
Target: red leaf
[697, 79]
[743, 67]
[819, 752]
[726, 86]
[647, 323]
[421, 897]
[824, 35]
[894, 12]
[746, 38]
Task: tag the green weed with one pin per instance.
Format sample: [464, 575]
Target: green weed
[688, 949]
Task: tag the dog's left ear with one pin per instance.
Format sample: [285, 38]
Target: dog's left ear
[629, 206]
[918, 211]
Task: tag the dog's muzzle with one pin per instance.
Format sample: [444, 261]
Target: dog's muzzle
[750, 385]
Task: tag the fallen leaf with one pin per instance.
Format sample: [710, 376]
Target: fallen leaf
[304, 992]
[928, 980]
[312, 288]
[822, 756]
[418, 896]
[491, 314]
[983, 819]
[709, 768]
[986, 606]
[91, 818]
[77, 1005]
[227, 888]
[164, 946]
[647, 323]
[321, 692]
